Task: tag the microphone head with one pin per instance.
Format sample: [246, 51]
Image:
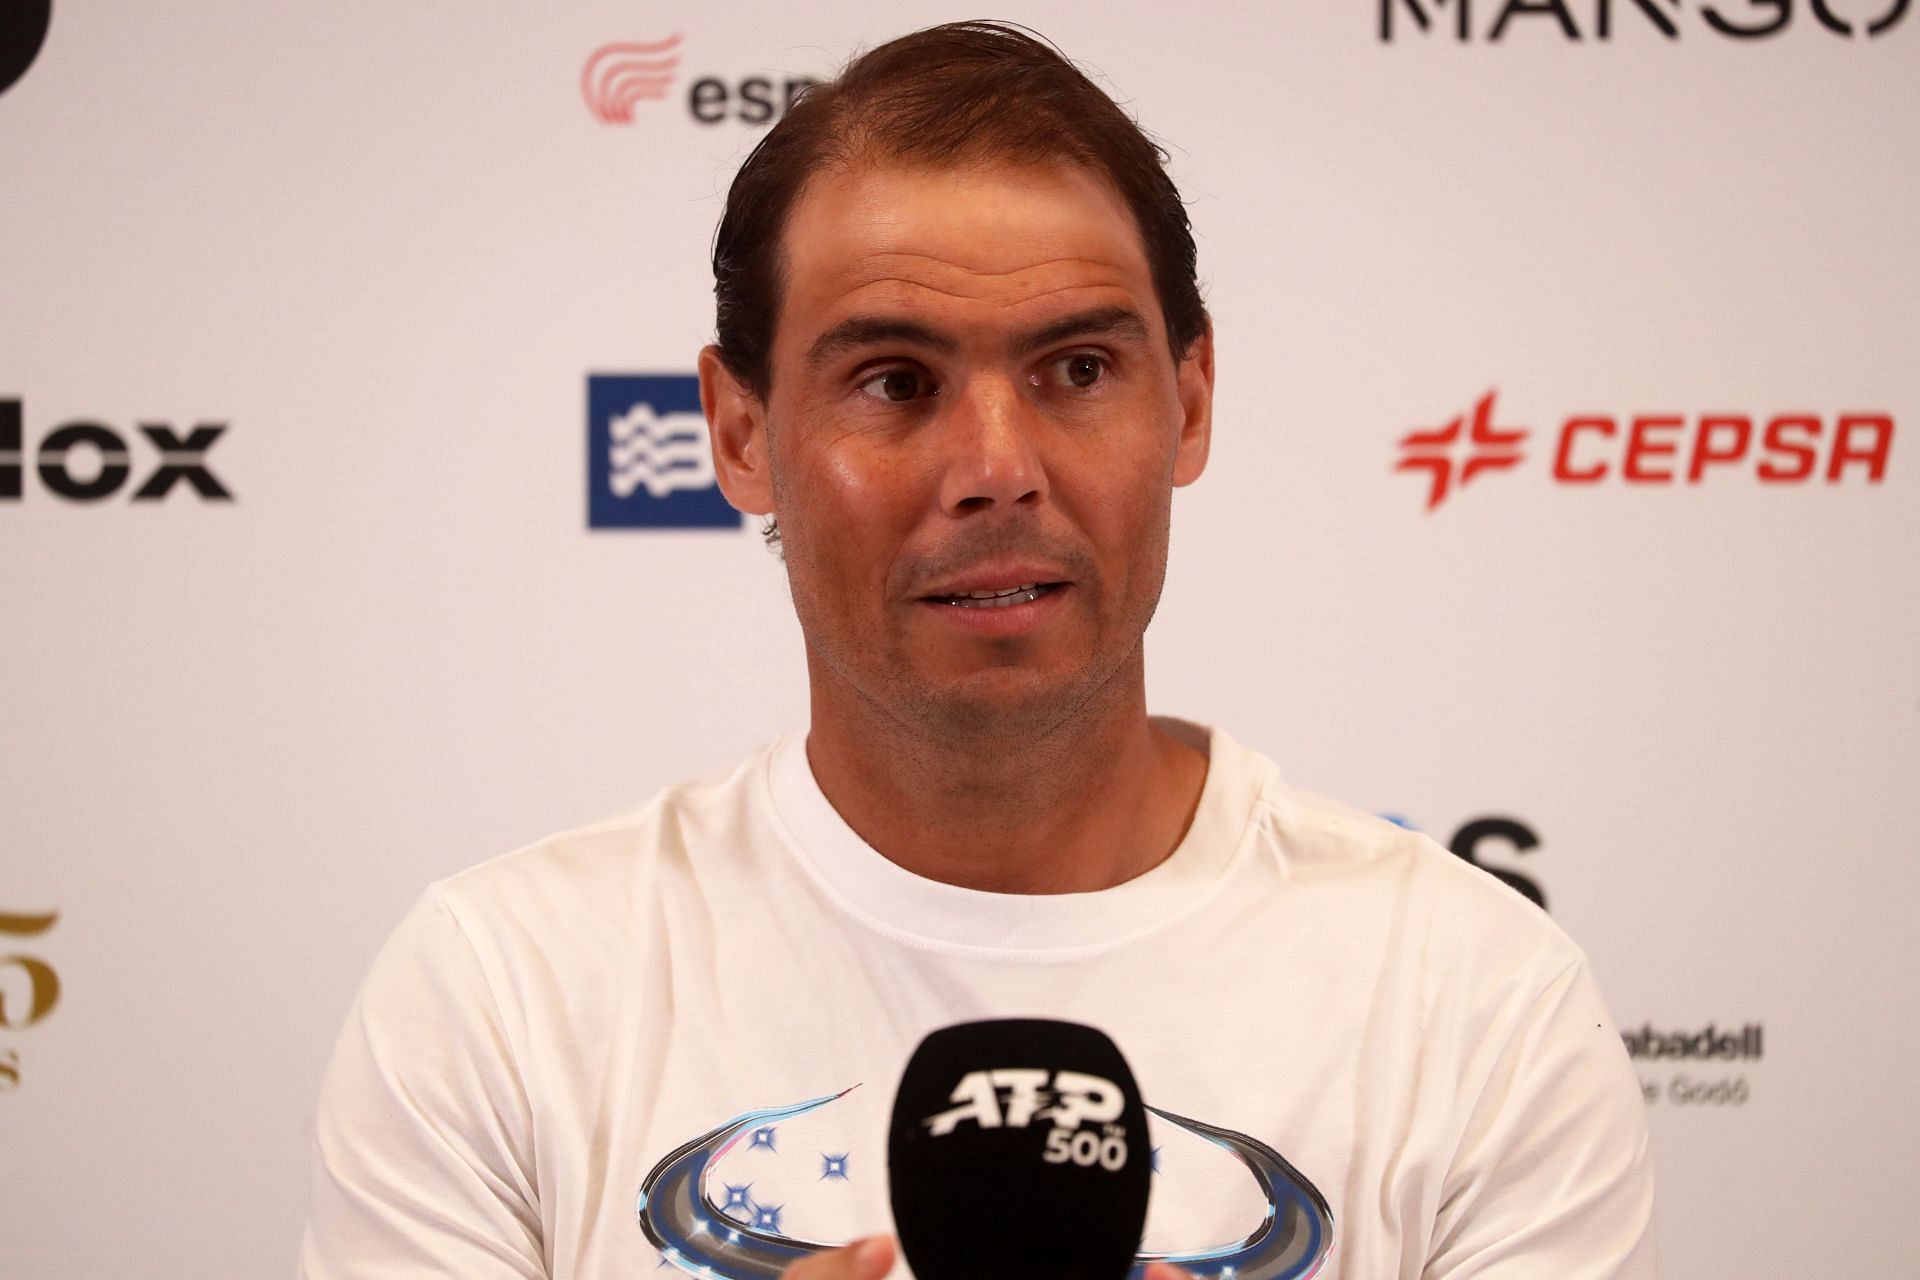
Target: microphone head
[1019, 1150]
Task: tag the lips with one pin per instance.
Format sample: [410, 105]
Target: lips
[988, 584]
[1025, 593]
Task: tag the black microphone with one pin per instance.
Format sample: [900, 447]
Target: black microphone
[1019, 1150]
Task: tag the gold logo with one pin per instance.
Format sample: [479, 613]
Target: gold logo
[29, 988]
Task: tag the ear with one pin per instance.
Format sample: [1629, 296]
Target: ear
[1194, 383]
[737, 429]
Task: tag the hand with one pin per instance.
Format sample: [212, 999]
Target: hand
[872, 1257]
[865, 1259]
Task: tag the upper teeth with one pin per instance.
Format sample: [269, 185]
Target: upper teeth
[988, 595]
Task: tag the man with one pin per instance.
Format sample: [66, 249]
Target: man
[962, 359]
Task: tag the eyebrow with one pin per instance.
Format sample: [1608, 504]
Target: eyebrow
[1099, 322]
[866, 330]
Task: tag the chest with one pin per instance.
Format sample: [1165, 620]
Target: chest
[733, 1104]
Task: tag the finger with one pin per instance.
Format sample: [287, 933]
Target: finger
[867, 1259]
[871, 1258]
[1165, 1271]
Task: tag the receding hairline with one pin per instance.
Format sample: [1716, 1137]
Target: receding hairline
[956, 95]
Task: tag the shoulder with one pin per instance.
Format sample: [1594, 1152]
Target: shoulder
[1386, 877]
[602, 871]
[1471, 961]
[1522, 1089]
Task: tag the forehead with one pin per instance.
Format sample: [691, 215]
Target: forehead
[977, 244]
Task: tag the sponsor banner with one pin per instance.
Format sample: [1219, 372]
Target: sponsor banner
[87, 461]
[649, 464]
[623, 76]
[1713, 1066]
[29, 986]
[1591, 449]
[1491, 21]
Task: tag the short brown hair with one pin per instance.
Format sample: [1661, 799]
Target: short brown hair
[962, 93]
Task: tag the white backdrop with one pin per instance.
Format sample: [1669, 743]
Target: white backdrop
[386, 244]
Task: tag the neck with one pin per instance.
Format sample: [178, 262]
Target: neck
[1090, 803]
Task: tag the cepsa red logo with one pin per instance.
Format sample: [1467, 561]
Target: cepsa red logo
[1654, 448]
[619, 76]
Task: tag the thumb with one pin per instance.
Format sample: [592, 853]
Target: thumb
[866, 1259]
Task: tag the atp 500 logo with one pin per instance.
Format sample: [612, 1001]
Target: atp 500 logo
[1068, 1100]
[29, 987]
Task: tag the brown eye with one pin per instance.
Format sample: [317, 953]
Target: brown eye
[1084, 370]
[895, 385]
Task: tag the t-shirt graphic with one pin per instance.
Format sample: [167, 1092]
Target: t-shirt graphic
[733, 1205]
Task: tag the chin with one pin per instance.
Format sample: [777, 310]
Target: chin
[1012, 704]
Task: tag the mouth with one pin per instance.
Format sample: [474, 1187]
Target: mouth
[1002, 598]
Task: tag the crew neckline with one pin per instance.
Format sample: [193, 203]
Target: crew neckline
[913, 908]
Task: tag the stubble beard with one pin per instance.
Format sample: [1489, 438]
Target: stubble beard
[996, 711]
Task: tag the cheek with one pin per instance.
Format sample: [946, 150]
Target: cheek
[1122, 480]
[850, 505]
[1128, 522]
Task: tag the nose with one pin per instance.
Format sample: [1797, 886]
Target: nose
[991, 454]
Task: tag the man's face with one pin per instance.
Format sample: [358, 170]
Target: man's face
[971, 392]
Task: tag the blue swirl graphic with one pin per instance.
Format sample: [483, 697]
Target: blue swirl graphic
[696, 1236]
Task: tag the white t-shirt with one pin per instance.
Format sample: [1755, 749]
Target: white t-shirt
[732, 968]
